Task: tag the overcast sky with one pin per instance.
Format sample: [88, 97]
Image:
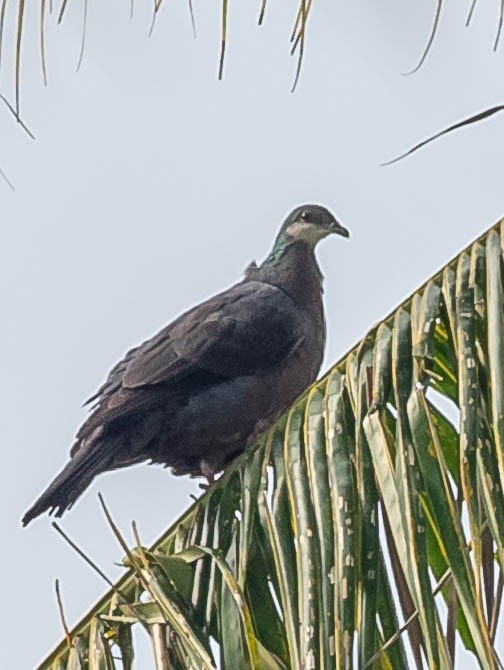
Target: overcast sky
[151, 185]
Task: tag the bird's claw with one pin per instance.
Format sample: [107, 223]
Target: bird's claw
[207, 471]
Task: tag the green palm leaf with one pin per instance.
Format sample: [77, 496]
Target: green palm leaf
[362, 508]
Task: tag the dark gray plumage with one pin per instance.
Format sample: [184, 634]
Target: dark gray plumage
[193, 396]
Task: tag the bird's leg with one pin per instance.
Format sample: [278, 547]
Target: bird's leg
[207, 471]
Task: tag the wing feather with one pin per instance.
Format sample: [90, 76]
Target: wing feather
[247, 329]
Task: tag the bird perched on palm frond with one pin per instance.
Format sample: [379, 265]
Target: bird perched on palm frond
[194, 395]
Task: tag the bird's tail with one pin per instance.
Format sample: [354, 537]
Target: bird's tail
[71, 482]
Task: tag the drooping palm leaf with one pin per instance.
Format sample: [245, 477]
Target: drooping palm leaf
[474, 118]
[367, 505]
[16, 29]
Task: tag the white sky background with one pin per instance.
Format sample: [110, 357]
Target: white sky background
[151, 186]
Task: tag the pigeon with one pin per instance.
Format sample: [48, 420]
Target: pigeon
[197, 394]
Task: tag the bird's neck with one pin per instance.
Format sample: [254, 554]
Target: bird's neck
[294, 269]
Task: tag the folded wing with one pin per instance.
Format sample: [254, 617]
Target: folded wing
[248, 329]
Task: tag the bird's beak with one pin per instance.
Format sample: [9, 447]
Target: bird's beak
[338, 229]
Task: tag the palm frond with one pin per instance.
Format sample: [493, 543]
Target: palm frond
[474, 118]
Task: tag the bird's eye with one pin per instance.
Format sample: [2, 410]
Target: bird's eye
[305, 216]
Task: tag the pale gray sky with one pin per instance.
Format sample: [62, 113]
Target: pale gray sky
[151, 186]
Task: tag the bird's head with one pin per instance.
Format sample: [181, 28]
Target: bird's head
[310, 224]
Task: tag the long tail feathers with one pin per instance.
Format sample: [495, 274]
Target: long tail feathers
[71, 482]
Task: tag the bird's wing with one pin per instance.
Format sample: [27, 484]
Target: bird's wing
[114, 378]
[251, 327]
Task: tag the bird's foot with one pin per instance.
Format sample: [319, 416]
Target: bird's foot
[208, 471]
